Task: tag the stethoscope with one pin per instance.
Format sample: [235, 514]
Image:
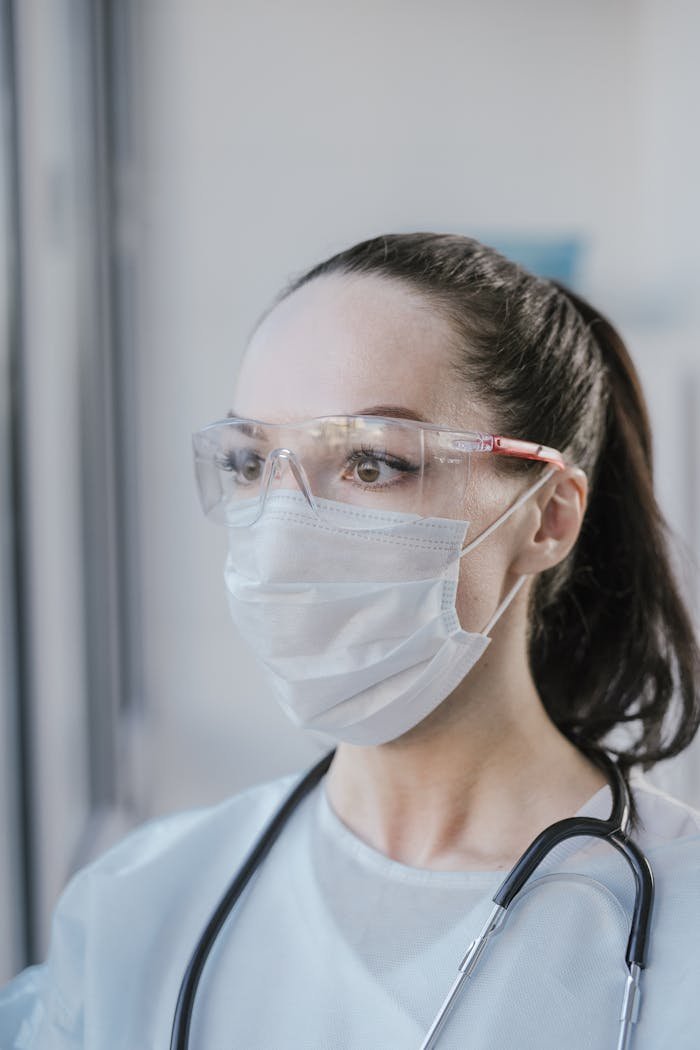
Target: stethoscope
[614, 830]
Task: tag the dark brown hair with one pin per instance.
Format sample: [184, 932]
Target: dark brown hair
[610, 641]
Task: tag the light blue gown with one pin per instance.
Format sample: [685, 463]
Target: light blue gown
[336, 947]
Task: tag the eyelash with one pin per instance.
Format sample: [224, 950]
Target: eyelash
[226, 460]
[381, 456]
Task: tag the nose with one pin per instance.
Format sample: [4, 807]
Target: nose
[281, 462]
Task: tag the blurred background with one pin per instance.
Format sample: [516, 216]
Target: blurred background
[165, 167]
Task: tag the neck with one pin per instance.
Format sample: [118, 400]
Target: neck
[471, 786]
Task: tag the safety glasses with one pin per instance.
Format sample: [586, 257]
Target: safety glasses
[360, 462]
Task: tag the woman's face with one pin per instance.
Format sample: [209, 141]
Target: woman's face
[360, 344]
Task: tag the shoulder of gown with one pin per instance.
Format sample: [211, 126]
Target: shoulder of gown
[138, 879]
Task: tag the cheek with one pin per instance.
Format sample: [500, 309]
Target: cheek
[478, 590]
[484, 578]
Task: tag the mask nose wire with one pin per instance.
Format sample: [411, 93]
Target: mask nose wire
[522, 498]
[275, 465]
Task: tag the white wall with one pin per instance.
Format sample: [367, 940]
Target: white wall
[276, 133]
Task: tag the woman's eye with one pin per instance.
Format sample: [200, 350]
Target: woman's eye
[368, 471]
[376, 470]
[251, 468]
[245, 464]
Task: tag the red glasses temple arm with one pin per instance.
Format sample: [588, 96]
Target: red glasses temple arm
[505, 446]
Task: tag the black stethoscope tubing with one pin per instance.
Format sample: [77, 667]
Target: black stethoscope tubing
[179, 1039]
[612, 830]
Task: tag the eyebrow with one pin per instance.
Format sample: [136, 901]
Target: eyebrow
[249, 428]
[392, 411]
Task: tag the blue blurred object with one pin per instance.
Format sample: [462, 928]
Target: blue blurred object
[549, 256]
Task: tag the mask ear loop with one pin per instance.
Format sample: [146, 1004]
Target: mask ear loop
[504, 605]
[522, 498]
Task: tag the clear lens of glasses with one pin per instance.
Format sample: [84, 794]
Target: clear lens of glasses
[358, 461]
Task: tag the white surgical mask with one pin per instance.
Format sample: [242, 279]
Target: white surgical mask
[357, 632]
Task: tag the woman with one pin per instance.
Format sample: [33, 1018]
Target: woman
[378, 535]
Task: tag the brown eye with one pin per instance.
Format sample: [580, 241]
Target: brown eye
[376, 470]
[368, 471]
[244, 464]
[251, 468]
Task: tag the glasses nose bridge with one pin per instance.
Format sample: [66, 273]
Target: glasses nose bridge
[281, 459]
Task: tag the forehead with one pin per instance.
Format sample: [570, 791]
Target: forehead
[342, 343]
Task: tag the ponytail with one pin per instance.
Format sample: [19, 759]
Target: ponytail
[617, 640]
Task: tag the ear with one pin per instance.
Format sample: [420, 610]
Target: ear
[554, 526]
